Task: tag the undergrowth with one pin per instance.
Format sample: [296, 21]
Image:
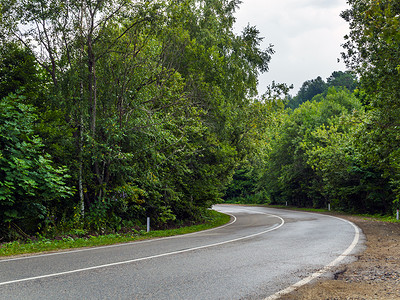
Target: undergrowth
[43, 244]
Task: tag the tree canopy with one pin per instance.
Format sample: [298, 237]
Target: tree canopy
[142, 108]
[318, 86]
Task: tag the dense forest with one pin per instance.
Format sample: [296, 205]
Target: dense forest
[117, 110]
[337, 141]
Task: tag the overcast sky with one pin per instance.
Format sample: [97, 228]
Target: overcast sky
[307, 36]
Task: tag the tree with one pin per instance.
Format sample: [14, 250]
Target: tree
[288, 175]
[72, 41]
[346, 182]
[341, 79]
[263, 122]
[308, 90]
[220, 70]
[18, 71]
[318, 87]
[372, 51]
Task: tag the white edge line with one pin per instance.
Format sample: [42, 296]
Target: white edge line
[324, 269]
[93, 248]
[149, 257]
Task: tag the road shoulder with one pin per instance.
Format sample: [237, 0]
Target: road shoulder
[375, 274]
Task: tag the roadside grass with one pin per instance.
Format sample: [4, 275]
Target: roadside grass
[299, 208]
[389, 219]
[377, 217]
[44, 245]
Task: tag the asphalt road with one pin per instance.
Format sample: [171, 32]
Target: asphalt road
[260, 252]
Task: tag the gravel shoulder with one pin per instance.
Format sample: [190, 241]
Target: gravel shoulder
[375, 274]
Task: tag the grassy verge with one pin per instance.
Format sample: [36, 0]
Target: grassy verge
[300, 208]
[43, 244]
[390, 219]
[377, 217]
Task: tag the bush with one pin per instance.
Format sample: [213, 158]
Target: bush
[28, 180]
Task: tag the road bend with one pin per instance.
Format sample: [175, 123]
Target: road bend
[261, 253]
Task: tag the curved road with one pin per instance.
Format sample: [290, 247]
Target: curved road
[260, 253]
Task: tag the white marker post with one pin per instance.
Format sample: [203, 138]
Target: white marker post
[148, 224]
[329, 207]
[397, 215]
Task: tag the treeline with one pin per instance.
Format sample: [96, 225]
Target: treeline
[319, 154]
[337, 141]
[114, 111]
[318, 86]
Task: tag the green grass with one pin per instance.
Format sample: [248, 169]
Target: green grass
[299, 208]
[44, 244]
[390, 219]
[383, 218]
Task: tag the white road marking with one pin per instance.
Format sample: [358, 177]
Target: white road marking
[324, 269]
[150, 257]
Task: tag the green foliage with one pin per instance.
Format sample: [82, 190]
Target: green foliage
[372, 51]
[150, 104]
[80, 238]
[314, 87]
[244, 187]
[349, 184]
[290, 175]
[18, 71]
[342, 80]
[28, 180]
[309, 89]
[263, 127]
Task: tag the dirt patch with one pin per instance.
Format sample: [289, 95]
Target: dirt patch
[375, 275]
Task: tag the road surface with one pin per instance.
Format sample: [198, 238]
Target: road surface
[261, 252]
